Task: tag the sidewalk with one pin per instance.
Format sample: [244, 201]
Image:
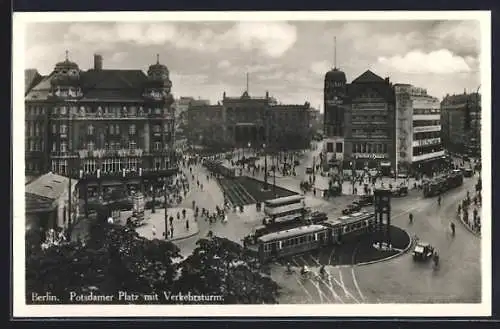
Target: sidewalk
[158, 221]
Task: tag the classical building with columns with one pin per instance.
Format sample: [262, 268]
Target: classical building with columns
[111, 129]
[245, 120]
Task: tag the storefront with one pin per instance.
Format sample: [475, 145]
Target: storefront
[429, 166]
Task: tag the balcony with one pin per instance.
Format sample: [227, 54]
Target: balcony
[127, 174]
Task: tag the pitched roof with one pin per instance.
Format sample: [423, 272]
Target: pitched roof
[100, 84]
[50, 185]
[368, 77]
[31, 78]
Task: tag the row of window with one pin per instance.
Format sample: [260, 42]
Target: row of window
[425, 123]
[114, 129]
[420, 150]
[32, 166]
[382, 133]
[118, 164]
[426, 135]
[334, 130]
[34, 145]
[369, 118]
[426, 111]
[369, 148]
[307, 238]
[33, 129]
[105, 110]
[91, 146]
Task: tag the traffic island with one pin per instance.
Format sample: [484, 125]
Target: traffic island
[183, 227]
[361, 251]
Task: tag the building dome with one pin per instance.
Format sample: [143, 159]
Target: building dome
[158, 71]
[335, 75]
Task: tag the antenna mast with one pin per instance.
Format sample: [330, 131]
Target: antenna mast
[247, 84]
[335, 52]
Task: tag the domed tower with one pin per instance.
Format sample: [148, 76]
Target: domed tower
[159, 85]
[65, 81]
[335, 93]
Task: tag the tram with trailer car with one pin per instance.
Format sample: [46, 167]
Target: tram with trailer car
[312, 237]
[443, 183]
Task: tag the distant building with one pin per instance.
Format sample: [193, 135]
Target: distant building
[181, 106]
[418, 130]
[359, 122]
[461, 122]
[239, 121]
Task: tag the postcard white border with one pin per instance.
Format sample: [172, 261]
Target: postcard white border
[20, 309]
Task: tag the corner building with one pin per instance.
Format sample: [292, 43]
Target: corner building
[461, 122]
[111, 129]
[418, 129]
[359, 123]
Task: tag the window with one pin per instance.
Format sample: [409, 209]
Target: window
[132, 163]
[90, 146]
[32, 145]
[89, 165]
[157, 146]
[329, 147]
[117, 129]
[166, 127]
[54, 147]
[339, 148]
[156, 128]
[37, 129]
[63, 129]
[64, 147]
[131, 129]
[132, 145]
[54, 128]
[385, 148]
[111, 129]
[132, 110]
[63, 110]
[157, 164]
[90, 130]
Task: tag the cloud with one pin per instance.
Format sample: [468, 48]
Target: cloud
[119, 57]
[437, 62]
[270, 38]
[320, 68]
[224, 64]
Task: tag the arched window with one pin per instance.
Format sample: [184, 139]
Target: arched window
[90, 130]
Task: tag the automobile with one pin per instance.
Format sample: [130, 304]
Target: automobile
[352, 208]
[296, 162]
[400, 191]
[468, 172]
[423, 251]
[317, 217]
[403, 175]
[309, 170]
[365, 200]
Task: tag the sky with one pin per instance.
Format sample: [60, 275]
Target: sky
[287, 58]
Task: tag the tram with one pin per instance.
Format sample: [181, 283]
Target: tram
[444, 183]
[315, 236]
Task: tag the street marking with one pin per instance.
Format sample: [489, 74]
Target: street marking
[342, 282]
[356, 284]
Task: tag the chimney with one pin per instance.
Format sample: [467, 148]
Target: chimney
[97, 62]
[267, 94]
[386, 80]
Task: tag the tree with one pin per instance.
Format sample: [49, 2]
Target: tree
[219, 266]
[116, 258]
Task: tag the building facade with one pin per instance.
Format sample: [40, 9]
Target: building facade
[418, 129]
[461, 123]
[359, 122]
[112, 129]
[243, 121]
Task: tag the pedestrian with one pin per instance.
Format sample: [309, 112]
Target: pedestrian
[184, 213]
[171, 219]
[153, 231]
[171, 232]
[187, 224]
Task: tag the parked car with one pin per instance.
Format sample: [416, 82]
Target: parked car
[365, 200]
[423, 251]
[352, 208]
[309, 170]
[317, 217]
[400, 191]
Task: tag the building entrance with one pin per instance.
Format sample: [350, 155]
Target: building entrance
[244, 134]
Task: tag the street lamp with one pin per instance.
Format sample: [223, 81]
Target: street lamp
[266, 187]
